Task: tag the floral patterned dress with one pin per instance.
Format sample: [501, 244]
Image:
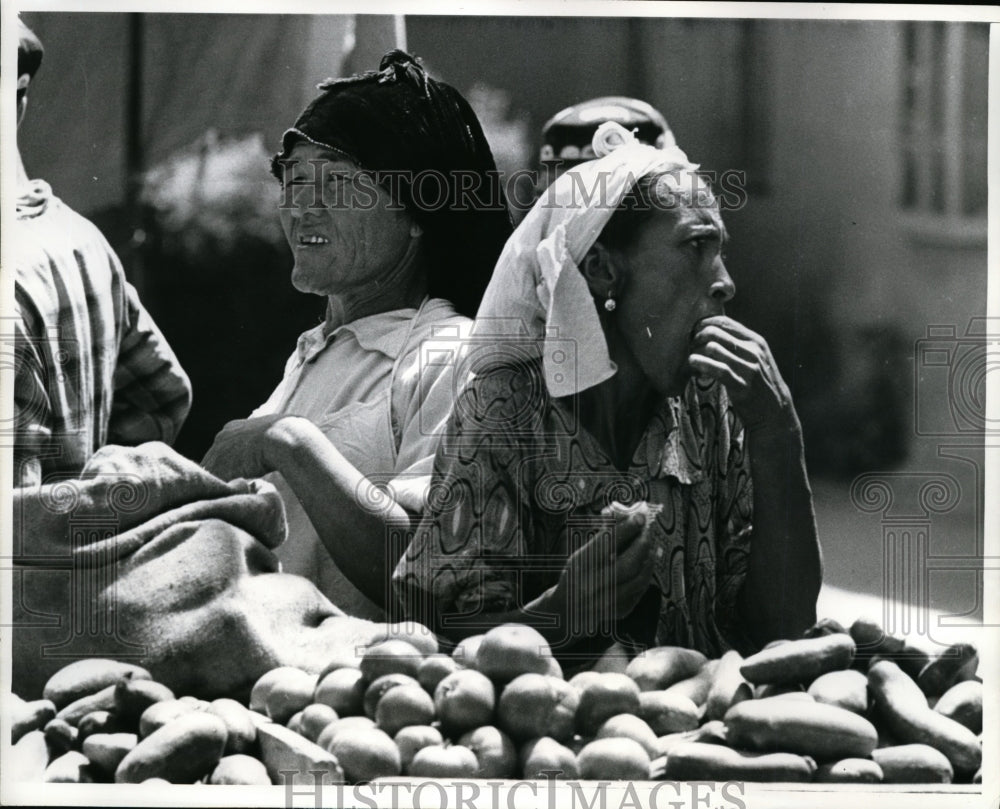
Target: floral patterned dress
[519, 485]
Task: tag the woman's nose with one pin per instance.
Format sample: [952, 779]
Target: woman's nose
[723, 289]
[304, 198]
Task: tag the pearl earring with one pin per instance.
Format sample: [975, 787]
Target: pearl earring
[609, 304]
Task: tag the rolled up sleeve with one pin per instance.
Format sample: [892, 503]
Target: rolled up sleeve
[152, 395]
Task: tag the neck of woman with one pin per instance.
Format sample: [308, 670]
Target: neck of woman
[617, 411]
[403, 287]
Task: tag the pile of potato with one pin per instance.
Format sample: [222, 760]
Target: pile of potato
[834, 706]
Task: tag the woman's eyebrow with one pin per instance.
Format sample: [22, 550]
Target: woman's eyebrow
[695, 229]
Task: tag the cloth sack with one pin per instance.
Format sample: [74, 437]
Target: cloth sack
[150, 559]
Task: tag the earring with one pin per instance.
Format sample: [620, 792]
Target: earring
[609, 304]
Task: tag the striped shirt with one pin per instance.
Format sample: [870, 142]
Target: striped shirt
[91, 367]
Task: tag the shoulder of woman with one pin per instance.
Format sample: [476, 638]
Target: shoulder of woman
[437, 327]
[507, 389]
[439, 310]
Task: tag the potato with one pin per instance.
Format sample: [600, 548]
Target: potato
[695, 688]
[444, 761]
[106, 750]
[96, 722]
[662, 666]
[913, 764]
[182, 751]
[629, 726]
[546, 755]
[903, 707]
[160, 713]
[617, 759]
[846, 689]
[727, 687]
[712, 732]
[849, 771]
[696, 761]
[240, 769]
[29, 716]
[963, 702]
[603, 698]
[241, 733]
[955, 664]
[132, 697]
[870, 639]
[668, 713]
[84, 677]
[825, 732]
[72, 767]
[60, 736]
[535, 705]
[799, 661]
[509, 650]
[103, 700]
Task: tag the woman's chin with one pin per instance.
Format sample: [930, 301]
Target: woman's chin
[675, 385]
[305, 283]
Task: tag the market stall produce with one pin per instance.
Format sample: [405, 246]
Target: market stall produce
[837, 706]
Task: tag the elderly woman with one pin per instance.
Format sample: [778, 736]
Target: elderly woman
[626, 463]
[392, 209]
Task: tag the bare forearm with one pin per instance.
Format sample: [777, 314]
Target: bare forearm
[352, 528]
[785, 566]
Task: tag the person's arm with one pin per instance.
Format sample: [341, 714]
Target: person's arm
[608, 575]
[351, 518]
[32, 409]
[784, 569]
[152, 394]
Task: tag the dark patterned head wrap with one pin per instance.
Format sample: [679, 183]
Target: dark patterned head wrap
[423, 134]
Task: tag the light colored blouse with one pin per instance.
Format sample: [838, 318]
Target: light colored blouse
[380, 389]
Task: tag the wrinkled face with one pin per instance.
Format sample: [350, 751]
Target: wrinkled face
[344, 230]
[674, 276]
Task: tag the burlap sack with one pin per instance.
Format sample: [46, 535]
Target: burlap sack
[150, 559]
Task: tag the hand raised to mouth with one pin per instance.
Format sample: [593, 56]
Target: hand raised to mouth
[727, 351]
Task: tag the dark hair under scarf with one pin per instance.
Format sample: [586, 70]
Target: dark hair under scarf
[399, 119]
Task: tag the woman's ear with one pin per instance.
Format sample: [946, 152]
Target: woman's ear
[602, 271]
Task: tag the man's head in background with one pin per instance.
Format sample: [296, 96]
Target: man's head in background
[29, 59]
[567, 135]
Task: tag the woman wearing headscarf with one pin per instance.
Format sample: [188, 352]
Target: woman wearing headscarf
[626, 463]
[392, 209]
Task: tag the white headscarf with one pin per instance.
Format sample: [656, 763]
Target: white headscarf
[538, 298]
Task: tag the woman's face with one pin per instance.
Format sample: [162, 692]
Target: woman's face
[673, 276]
[344, 230]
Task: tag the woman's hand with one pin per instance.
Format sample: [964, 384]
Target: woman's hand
[741, 360]
[605, 578]
[245, 448]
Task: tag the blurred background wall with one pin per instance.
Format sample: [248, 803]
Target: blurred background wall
[860, 252]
